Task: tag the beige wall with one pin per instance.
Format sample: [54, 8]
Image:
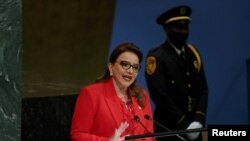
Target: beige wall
[65, 44]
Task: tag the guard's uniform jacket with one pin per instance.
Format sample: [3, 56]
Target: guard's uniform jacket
[178, 87]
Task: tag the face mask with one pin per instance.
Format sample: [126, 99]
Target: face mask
[177, 38]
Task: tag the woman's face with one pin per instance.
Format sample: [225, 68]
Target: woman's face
[125, 70]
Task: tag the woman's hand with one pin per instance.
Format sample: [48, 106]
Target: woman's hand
[117, 135]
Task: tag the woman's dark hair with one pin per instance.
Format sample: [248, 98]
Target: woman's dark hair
[134, 90]
[124, 47]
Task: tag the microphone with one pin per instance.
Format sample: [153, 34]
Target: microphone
[137, 119]
[146, 116]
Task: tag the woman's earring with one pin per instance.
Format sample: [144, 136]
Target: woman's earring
[110, 74]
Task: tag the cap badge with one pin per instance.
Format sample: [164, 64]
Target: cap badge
[183, 11]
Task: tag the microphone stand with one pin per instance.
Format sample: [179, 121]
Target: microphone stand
[168, 129]
[164, 134]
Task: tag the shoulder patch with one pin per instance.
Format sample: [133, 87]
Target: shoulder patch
[150, 65]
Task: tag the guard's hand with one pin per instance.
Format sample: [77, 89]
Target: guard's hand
[117, 135]
[193, 125]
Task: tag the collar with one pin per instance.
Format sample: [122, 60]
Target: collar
[178, 51]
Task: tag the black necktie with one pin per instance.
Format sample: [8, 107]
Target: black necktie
[182, 55]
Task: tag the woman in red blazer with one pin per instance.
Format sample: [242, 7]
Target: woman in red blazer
[114, 106]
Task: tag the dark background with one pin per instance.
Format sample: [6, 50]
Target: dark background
[219, 29]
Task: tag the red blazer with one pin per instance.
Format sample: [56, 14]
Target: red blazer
[98, 112]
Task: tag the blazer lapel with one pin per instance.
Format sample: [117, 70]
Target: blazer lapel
[113, 102]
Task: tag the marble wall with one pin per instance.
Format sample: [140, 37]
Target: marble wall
[10, 58]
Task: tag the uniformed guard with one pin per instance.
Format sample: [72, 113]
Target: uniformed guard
[176, 79]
